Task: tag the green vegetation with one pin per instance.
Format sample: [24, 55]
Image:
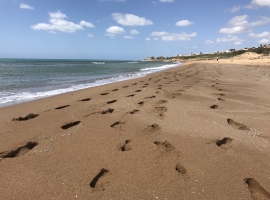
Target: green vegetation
[259, 50]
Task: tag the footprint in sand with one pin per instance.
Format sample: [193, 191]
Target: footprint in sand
[109, 110]
[214, 106]
[117, 124]
[141, 103]
[161, 110]
[164, 146]
[110, 102]
[69, 125]
[29, 116]
[162, 101]
[19, 151]
[224, 143]
[220, 99]
[114, 90]
[150, 97]
[127, 146]
[125, 87]
[237, 125]
[131, 95]
[180, 169]
[256, 190]
[104, 93]
[138, 90]
[98, 179]
[153, 127]
[86, 99]
[61, 107]
[134, 111]
[134, 84]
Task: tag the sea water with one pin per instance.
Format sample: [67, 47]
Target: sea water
[24, 80]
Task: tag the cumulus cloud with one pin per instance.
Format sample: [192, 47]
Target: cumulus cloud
[240, 24]
[178, 36]
[184, 23]
[208, 42]
[130, 20]
[260, 35]
[128, 37]
[263, 41]
[237, 24]
[254, 4]
[265, 36]
[58, 22]
[147, 39]
[134, 32]
[166, 1]
[25, 6]
[114, 30]
[231, 38]
[159, 33]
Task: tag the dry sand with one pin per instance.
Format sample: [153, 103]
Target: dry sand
[199, 131]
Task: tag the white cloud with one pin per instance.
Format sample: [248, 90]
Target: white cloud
[166, 1]
[130, 20]
[159, 33]
[58, 23]
[260, 35]
[237, 24]
[134, 32]
[231, 38]
[90, 35]
[254, 4]
[233, 9]
[128, 37]
[184, 23]
[238, 43]
[262, 21]
[178, 36]
[114, 30]
[147, 39]
[25, 6]
[240, 24]
[208, 42]
[87, 24]
[264, 41]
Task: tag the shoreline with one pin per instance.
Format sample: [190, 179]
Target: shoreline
[39, 94]
[197, 131]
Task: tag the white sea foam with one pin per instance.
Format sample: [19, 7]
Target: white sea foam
[164, 67]
[9, 98]
[98, 63]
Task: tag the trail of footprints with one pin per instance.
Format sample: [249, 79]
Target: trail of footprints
[99, 181]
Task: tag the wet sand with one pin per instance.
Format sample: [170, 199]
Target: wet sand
[199, 131]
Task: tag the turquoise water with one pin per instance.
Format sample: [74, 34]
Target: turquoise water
[28, 79]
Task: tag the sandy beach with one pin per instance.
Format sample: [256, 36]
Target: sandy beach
[198, 131]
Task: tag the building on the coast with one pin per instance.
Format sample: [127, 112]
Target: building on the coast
[266, 46]
[150, 58]
[160, 58]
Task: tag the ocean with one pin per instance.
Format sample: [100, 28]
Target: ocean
[23, 80]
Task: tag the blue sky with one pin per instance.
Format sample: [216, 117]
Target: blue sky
[129, 29]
